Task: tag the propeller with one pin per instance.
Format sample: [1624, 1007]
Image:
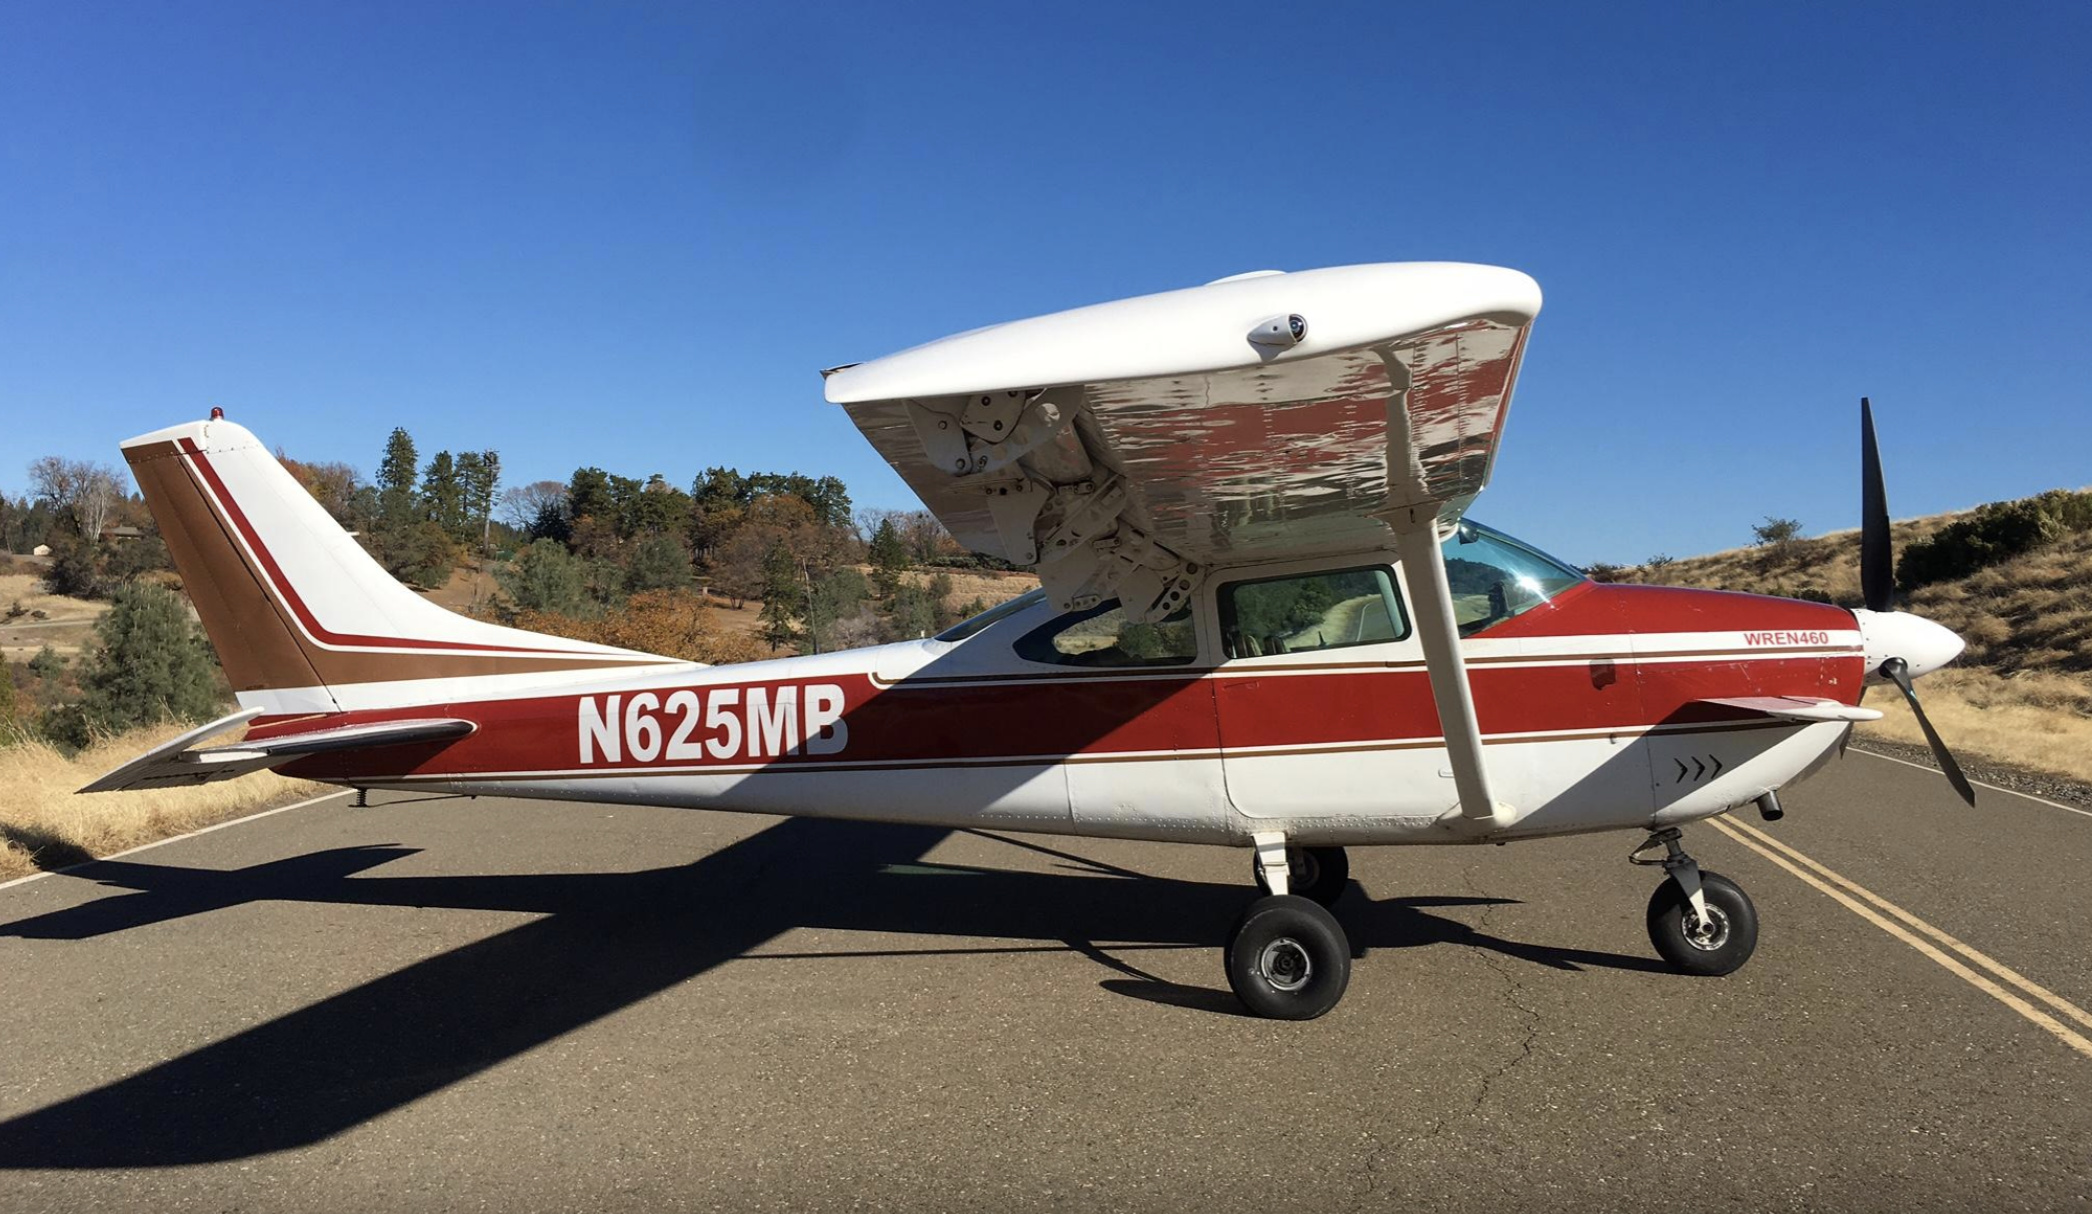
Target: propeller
[1877, 585]
[1898, 672]
[1877, 563]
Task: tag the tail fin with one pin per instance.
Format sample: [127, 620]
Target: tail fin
[302, 618]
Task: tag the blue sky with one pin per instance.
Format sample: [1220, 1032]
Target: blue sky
[630, 235]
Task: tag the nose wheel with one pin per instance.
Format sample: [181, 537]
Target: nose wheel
[1701, 922]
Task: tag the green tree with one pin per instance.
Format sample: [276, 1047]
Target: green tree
[397, 472]
[782, 596]
[75, 569]
[588, 496]
[48, 664]
[479, 473]
[911, 613]
[658, 508]
[658, 562]
[837, 596]
[545, 577]
[888, 555]
[419, 553]
[1776, 536]
[443, 495]
[151, 663]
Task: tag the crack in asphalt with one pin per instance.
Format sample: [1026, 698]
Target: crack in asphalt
[1513, 991]
[1500, 965]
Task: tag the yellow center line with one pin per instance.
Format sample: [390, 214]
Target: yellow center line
[1779, 854]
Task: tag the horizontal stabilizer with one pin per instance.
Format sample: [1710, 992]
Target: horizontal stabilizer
[1799, 708]
[175, 764]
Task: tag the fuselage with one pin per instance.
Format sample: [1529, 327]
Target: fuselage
[1273, 703]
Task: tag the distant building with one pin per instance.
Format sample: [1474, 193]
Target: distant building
[40, 550]
[122, 533]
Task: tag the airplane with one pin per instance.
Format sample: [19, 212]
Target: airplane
[1264, 621]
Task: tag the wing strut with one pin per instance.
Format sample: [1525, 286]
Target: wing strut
[1416, 542]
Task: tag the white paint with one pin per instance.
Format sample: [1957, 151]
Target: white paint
[1195, 330]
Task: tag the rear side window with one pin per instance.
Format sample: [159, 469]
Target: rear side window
[1103, 636]
[1311, 611]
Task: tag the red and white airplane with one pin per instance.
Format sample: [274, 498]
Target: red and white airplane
[1263, 622]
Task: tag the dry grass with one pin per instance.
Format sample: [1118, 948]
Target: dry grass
[43, 824]
[66, 624]
[2042, 722]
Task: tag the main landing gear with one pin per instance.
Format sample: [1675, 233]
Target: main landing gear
[1700, 922]
[1287, 957]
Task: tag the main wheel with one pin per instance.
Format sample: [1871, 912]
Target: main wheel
[1718, 946]
[1287, 958]
[1317, 873]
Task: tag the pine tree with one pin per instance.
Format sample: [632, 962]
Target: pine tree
[782, 596]
[443, 495]
[888, 555]
[396, 475]
[151, 663]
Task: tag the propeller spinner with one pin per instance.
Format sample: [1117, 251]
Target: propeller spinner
[1900, 646]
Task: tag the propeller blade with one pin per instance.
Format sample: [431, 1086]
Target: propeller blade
[1899, 673]
[1877, 562]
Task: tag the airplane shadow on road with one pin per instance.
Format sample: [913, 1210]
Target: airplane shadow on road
[604, 942]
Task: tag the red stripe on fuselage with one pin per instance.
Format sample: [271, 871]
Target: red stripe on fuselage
[1093, 718]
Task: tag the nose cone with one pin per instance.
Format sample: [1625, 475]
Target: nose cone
[1922, 644]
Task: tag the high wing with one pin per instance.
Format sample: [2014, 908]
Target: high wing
[1126, 446]
[176, 763]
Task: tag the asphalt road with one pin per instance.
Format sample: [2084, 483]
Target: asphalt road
[518, 1005]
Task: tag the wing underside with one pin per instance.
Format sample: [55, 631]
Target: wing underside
[1131, 484]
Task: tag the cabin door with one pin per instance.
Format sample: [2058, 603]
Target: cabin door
[1325, 710]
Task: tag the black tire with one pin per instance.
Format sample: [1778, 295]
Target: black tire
[1287, 958]
[1710, 954]
[1320, 874]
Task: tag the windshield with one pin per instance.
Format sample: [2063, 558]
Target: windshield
[1001, 611]
[1494, 577]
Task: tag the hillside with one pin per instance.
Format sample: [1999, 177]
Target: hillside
[2021, 694]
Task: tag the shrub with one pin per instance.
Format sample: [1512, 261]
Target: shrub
[75, 570]
[1995, 532]
[545, 578]
[150, 664]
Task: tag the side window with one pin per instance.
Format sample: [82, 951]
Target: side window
[1103, 636]
[1310, 611]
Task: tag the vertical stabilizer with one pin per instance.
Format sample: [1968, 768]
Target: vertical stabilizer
[303, 619]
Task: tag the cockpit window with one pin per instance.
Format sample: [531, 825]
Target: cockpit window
[1103, 636]
[974, 624]
[1494, 577]
[1303, 612]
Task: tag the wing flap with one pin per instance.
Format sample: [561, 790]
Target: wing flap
[177, 764]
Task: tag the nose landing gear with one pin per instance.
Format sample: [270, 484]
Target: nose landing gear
[1700, 922]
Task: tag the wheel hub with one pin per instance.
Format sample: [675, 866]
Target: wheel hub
[1285, 964]
[1708, 934]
